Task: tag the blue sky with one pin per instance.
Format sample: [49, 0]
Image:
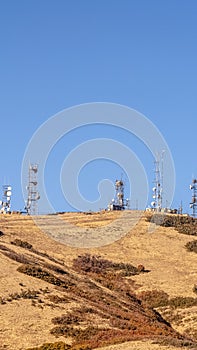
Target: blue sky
[57, 54]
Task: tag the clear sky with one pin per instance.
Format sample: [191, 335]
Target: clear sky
[55, 54]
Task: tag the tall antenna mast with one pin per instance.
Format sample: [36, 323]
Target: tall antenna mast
[119, 192]
[33, 195]
[180, 211]
[193, 203]
[162, 170]
[6, 199]
[158, 184]
[119, 203]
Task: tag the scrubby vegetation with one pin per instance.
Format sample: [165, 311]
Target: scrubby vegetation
[109, 311]
[22, 244]
[95, 264]
[21, 258]
[192, 246]
[182, 302]
[26, 245]
[41, 273]
[183, 224]
[52, 346]
[96, 299]
[154, 298]
[110, 274]
[171, 310]
[195, 288]
[157, 298]
[56, 299]
[24, 294]
[124, 315]
[180, 343]
[61, 346]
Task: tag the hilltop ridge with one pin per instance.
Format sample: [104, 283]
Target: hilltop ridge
[139, 287]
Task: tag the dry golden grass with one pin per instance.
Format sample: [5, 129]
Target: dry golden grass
[140, 345]
[90, 219]
[162, 252]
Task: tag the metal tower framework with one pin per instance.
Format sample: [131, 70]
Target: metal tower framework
[119, 203]
[158, 182]
[119, 199]
[6, 199]
[193, 203]
[33, 195]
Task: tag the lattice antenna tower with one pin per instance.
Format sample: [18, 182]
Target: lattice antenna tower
[6, 199]
[119, 203]
[33, 194]
[158, 184]
[119, 193]
[162, 177]
[193, 203]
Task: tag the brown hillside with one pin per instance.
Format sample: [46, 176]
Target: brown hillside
[92, 297]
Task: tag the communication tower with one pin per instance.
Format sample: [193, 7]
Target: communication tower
[119, 203]
[119, 192]
[33, 194]
[6, 199]
[180, 210]
[158, 184]
[193, 203]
